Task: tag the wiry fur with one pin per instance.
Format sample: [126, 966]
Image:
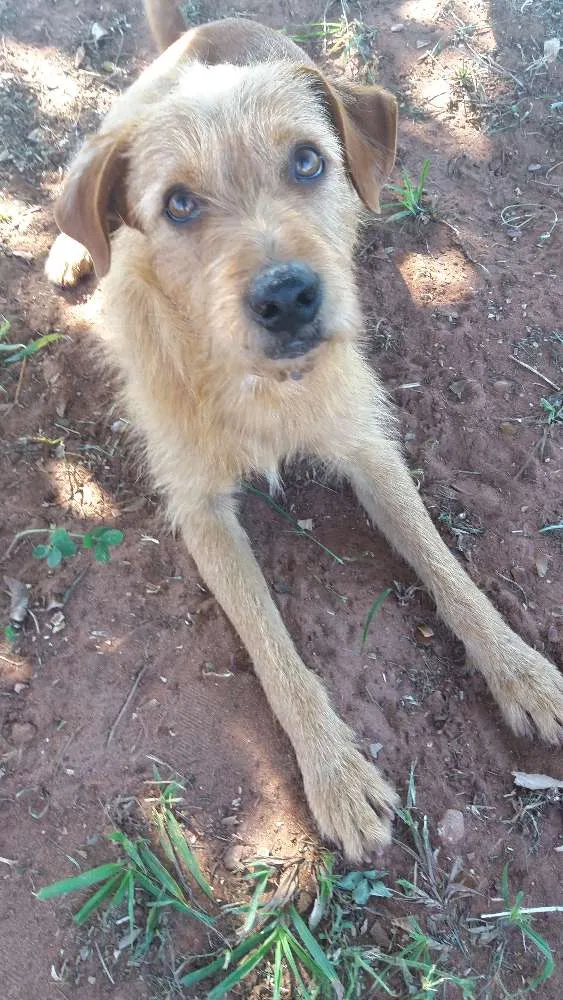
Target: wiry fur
[211, 406]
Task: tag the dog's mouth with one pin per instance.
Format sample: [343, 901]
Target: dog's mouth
[288, 345]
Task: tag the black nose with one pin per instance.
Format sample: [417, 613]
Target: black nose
[286, 297]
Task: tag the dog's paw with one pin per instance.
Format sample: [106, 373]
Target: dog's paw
[529, 691]
[68, 262]
[351, 802]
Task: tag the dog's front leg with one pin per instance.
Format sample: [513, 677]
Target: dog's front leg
[527, 687]
[349, 799]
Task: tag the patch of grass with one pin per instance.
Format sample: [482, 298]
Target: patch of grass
[139, 880]
[276, 947]
[518, 918]
[553, 409]
[348, 41]
[411, 197]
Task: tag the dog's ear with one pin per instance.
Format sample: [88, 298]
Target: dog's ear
[365, 120]
[93, 196]
[165, 21]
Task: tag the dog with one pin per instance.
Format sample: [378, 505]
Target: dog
[220, 203]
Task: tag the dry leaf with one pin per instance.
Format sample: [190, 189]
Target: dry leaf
[80, 56]
[551, 49]
[541, 566]
[306, 525]
[98, 32]
[535, 782]
[19, 599]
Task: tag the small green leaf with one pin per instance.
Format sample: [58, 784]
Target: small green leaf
[112, 536]
[101, 553]
[54, 558]
[361, 893]
[88, 540]
[61, 539]
[10, 633]
[41, 551]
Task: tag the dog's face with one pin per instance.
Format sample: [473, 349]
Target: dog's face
[240, 180]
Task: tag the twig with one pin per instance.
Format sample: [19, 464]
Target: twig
[23, 534]
[127, 702]
[536, 372]
[20, 381]
[523, 909]
[538, 447]
[104, 966]
[492, 64]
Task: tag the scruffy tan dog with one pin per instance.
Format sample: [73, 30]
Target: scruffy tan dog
[235, 174]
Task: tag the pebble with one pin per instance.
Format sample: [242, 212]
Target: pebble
[451, 828]
[233, 857]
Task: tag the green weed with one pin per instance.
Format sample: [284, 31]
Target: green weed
[19, 352]
[375, 607]
[60, 543]
[139, 879]
[410, 196]
[553, 409]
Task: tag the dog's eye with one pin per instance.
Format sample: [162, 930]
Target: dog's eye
[182, 205]
[308, 164]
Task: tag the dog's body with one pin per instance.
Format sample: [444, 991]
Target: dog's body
[232, 314]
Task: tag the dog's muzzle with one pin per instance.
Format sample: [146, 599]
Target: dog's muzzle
[285, 300]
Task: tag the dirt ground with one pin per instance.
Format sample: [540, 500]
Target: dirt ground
[452, 305]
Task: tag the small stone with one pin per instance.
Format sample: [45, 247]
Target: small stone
[397, 27]
[502, 385]
[541, 566]
[22, 732]
[232, 857]
[80, 56]
[553, 634]
[98, 31]
[451, 828]
[507, 427]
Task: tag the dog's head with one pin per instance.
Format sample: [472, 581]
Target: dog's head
[244, 181]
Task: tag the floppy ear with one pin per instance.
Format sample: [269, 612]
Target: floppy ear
[93, 199]
[365, 119]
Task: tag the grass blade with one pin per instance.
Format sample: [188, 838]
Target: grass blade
[226, 959]
[314, 949]
[129, 847]
[185, 855]
[97, 899]
[161, 873]
[291, 520]
[379, 601]
[79, 882]
[290, 959]
[243, 969]
[278, 972]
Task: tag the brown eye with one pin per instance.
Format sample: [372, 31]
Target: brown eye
[307, 163]
[182, 205]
